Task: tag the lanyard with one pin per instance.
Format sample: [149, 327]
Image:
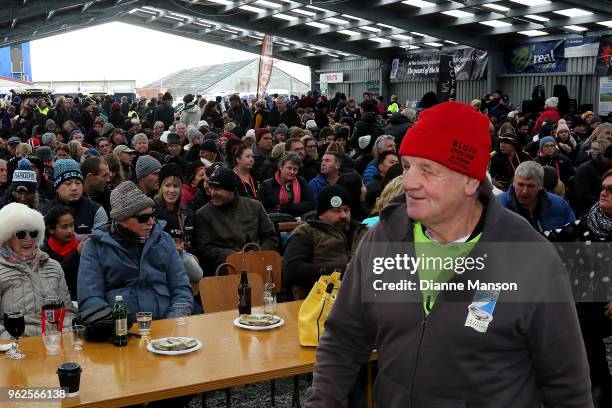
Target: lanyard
[251, 184]
[511, 164]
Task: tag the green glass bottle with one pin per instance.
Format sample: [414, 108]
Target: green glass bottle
[120, 314]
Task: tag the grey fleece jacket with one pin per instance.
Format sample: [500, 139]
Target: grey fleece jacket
[24, 287]
[531, 355]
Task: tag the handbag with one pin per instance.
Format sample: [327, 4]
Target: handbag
[99, 324]
[316, 307]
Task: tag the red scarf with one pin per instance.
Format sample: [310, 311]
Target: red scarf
[63, 250]
[283, 195]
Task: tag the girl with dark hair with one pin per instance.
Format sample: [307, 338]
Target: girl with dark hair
[62, 244]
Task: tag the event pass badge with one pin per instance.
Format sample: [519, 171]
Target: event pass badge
[480, 311]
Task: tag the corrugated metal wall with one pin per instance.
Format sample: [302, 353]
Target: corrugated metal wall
[411, 91]
[579, 80]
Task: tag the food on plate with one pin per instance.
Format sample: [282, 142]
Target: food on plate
[258, 319]
[174, 344]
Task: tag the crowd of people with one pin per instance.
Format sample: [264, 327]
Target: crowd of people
[92, 190]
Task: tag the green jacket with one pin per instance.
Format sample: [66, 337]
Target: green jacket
[222, 231]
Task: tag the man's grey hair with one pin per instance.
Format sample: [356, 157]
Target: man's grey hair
[380, 141]
[530, 170]
[2, 161]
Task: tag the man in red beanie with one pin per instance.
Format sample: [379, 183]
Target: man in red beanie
[466, 304]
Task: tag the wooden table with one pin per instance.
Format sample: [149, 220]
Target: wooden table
[118, 376]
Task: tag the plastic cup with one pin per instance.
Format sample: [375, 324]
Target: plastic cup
[52, 339]
[180, 310]
[69, 375]
[78, 337]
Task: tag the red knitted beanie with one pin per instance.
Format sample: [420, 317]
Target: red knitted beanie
[454, 135]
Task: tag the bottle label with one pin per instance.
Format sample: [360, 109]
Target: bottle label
[121, 327]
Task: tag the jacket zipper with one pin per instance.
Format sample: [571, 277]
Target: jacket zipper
[424, 324]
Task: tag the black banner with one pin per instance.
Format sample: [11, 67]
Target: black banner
[470, 64]
[416, 67]
[446, 87]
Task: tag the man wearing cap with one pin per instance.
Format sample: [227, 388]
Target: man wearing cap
[86, 120]
[147, 175]
[164, 111]
[124, 259]
[367, 125]
[23, 188]
[118, 137]
[126, 158]
[527, 197]
[280, 133]
[505, 160]
[11, 146]
[441, 343]
[209, 151]
[68, 184]
[228, 222]
[324, 244]
[175, 151]
[195, 138]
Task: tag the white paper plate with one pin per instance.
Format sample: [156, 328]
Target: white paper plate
[173, 353]
[272, 326]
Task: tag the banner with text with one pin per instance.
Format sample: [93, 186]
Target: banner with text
[470, 64]
[536, 57]
[266, 62]
[416, 67]
[447, 84]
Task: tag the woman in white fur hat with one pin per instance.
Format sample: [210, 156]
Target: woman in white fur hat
[27, 274]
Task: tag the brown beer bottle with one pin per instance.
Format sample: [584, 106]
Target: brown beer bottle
[244, 294]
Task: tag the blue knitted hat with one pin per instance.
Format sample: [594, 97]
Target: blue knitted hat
[66, 169]
[545, 140]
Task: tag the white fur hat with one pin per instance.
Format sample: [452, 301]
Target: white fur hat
[551, 102]
[15, 217]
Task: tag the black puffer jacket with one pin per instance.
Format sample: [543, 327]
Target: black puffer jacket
[368, 125]
[268, 195]
[397, 127]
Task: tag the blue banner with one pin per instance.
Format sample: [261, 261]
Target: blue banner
[536, 57]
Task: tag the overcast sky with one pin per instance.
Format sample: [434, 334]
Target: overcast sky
[123, 51]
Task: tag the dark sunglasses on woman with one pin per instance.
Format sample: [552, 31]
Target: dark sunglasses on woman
[143, 218]
[22, 234]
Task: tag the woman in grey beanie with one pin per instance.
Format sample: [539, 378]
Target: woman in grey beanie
[125, 260]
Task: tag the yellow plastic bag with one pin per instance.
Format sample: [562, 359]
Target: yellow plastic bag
[316, 307]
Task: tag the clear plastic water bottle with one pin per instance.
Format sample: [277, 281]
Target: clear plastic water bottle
[269, 293]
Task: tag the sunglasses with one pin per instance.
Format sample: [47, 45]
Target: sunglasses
[607, 189]
[143, 218]
[22, 234]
